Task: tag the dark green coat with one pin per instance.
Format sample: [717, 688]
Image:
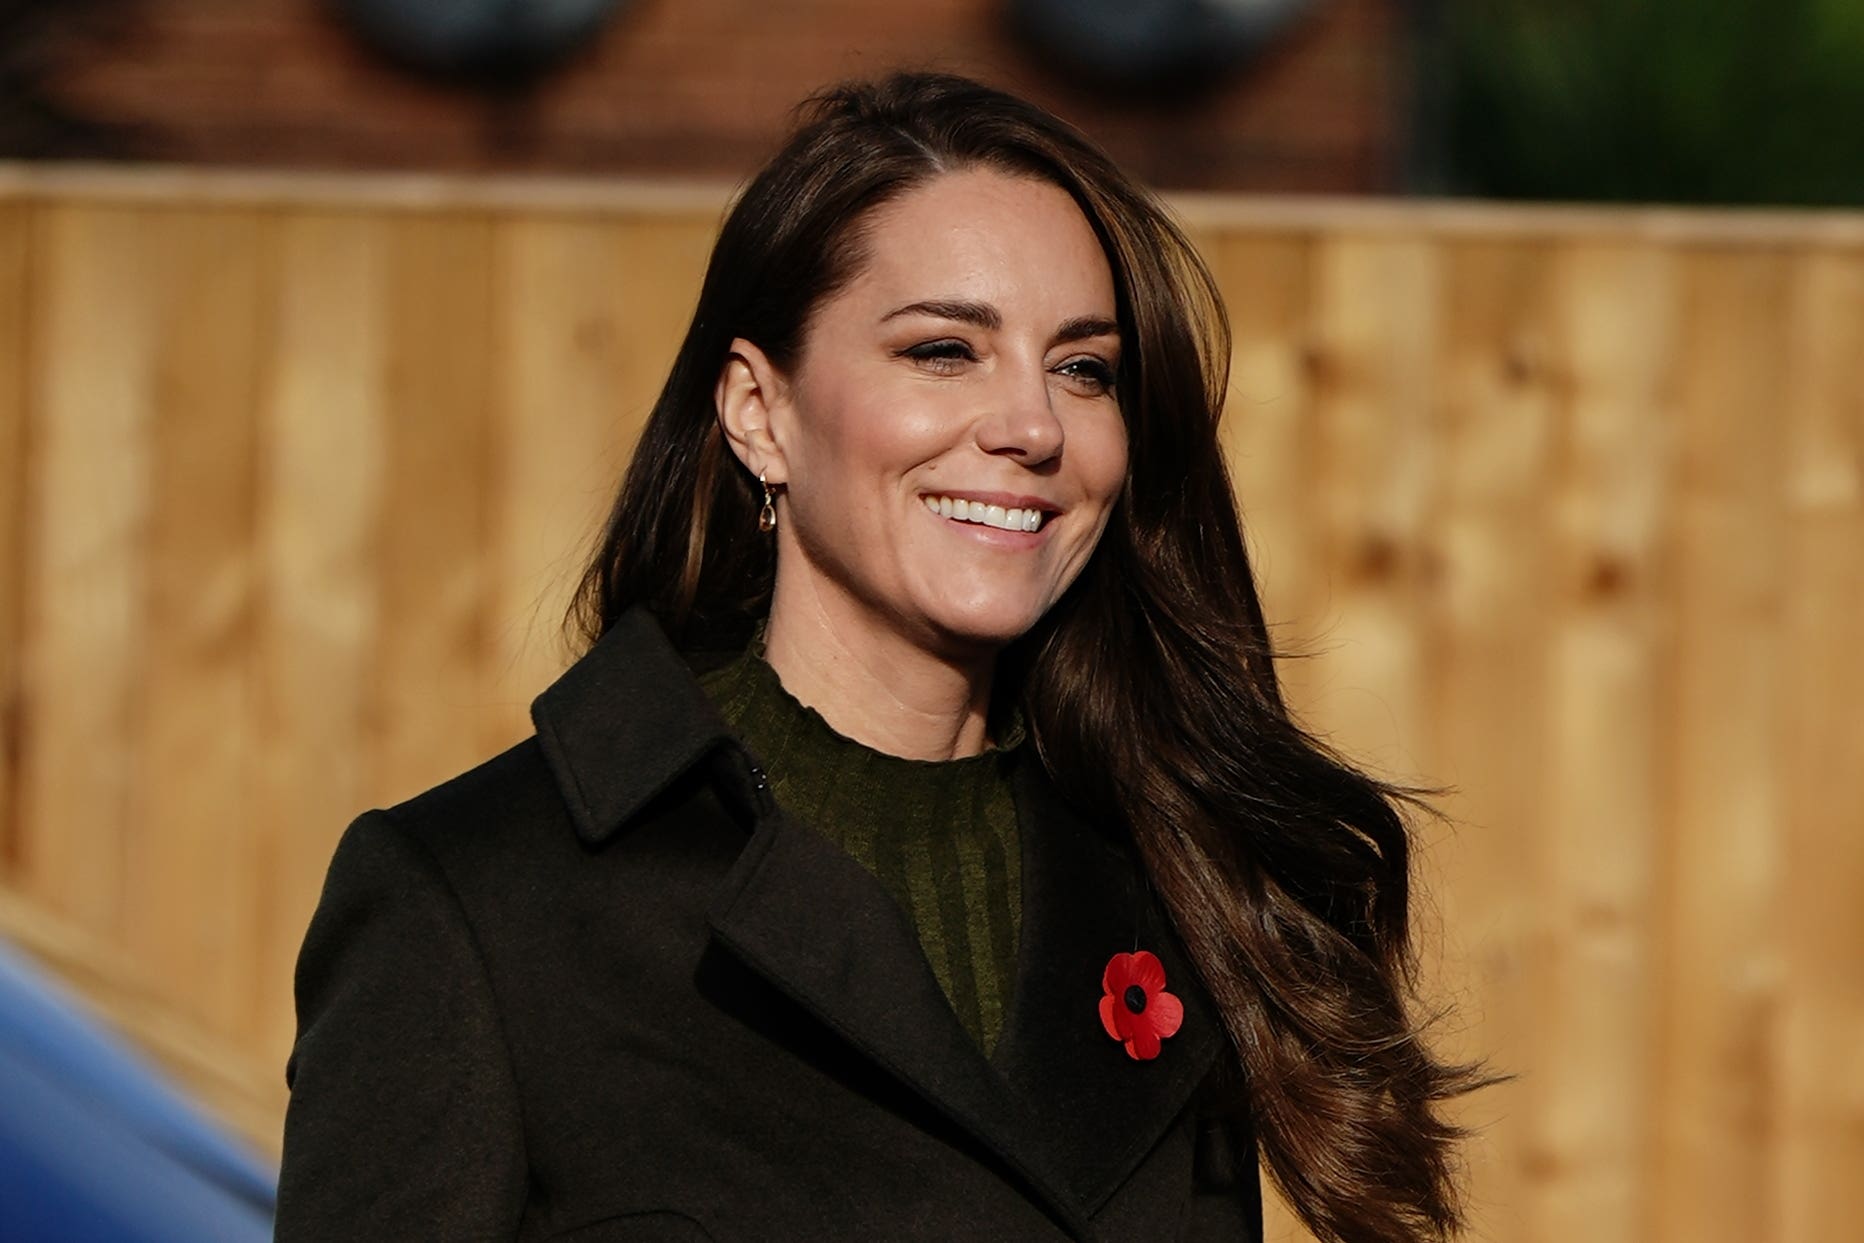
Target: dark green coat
[602, 988]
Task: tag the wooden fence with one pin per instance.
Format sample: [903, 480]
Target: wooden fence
[1565, 509]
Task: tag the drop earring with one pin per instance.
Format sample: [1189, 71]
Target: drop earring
[767, 516]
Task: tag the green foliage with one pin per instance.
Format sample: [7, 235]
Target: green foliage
[1695, 101]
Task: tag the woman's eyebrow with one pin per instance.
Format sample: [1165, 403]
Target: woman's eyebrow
[983, 315]
[1081, 327]
[977, 314]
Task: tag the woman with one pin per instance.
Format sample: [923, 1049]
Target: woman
[922, 849]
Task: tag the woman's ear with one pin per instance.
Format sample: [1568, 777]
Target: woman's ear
[749, 388]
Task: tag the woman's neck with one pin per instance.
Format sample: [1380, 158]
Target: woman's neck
[874, 684]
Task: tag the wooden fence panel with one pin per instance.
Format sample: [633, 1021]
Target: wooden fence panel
[591, 311]
[1269, 429]
[1490, 694]
[1816, 1063]
[436, 512]
[89, 442]
[1721, 863]
[189, 852]
[1587, 1058]
[1376, 303]
[564, 293]
[323, 454]
[1565, 511]
[15, 250]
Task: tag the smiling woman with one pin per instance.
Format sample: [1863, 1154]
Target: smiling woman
[921, 849]
[970, 363]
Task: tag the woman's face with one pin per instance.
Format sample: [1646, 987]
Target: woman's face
[967, 369]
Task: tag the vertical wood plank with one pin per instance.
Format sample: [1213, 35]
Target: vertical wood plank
[435, 542]
[191, 850]
[590, 313]
[1721, 848]
[662, 262]
[15, 225]
[89, 440]
[1819, 745]
[1268, 434]
[1490, 692]
[323, 449]
[563, 302]
[1268, 431]
[1588, 1049]
[1375, 306]
[559, 284]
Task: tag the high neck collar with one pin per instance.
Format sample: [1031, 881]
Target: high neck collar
[752, 697]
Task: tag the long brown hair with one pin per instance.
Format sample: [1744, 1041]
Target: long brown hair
[1148, 689]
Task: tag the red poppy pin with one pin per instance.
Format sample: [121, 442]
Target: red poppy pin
[1136, 1010]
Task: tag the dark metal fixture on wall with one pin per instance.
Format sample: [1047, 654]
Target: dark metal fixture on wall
[39, 41]
[1163, 46]
[483, 40]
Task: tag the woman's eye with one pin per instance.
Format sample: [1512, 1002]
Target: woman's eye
[1095, 375]
[944, 355]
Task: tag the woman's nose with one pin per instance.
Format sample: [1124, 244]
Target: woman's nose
[1021, 421]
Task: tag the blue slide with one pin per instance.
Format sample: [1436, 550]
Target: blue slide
[96, 1148]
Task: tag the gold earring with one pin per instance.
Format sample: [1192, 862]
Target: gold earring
[767, 516]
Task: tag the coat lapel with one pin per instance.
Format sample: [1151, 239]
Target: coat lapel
[1098, 1111]
[815, 923]
[1059, 1102]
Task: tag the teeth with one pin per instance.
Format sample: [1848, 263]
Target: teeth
[986, 515]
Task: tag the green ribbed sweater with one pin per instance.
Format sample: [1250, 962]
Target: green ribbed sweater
[939, 835]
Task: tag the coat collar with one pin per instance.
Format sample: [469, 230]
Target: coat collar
[622, 723]
[1058, 1102]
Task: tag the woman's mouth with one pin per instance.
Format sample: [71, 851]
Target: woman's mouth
[1003, 517]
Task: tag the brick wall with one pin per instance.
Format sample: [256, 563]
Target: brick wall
[703, 87]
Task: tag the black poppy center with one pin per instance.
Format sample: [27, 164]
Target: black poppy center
[1135, 998]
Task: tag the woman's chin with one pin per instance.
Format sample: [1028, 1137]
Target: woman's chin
[991, 627]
